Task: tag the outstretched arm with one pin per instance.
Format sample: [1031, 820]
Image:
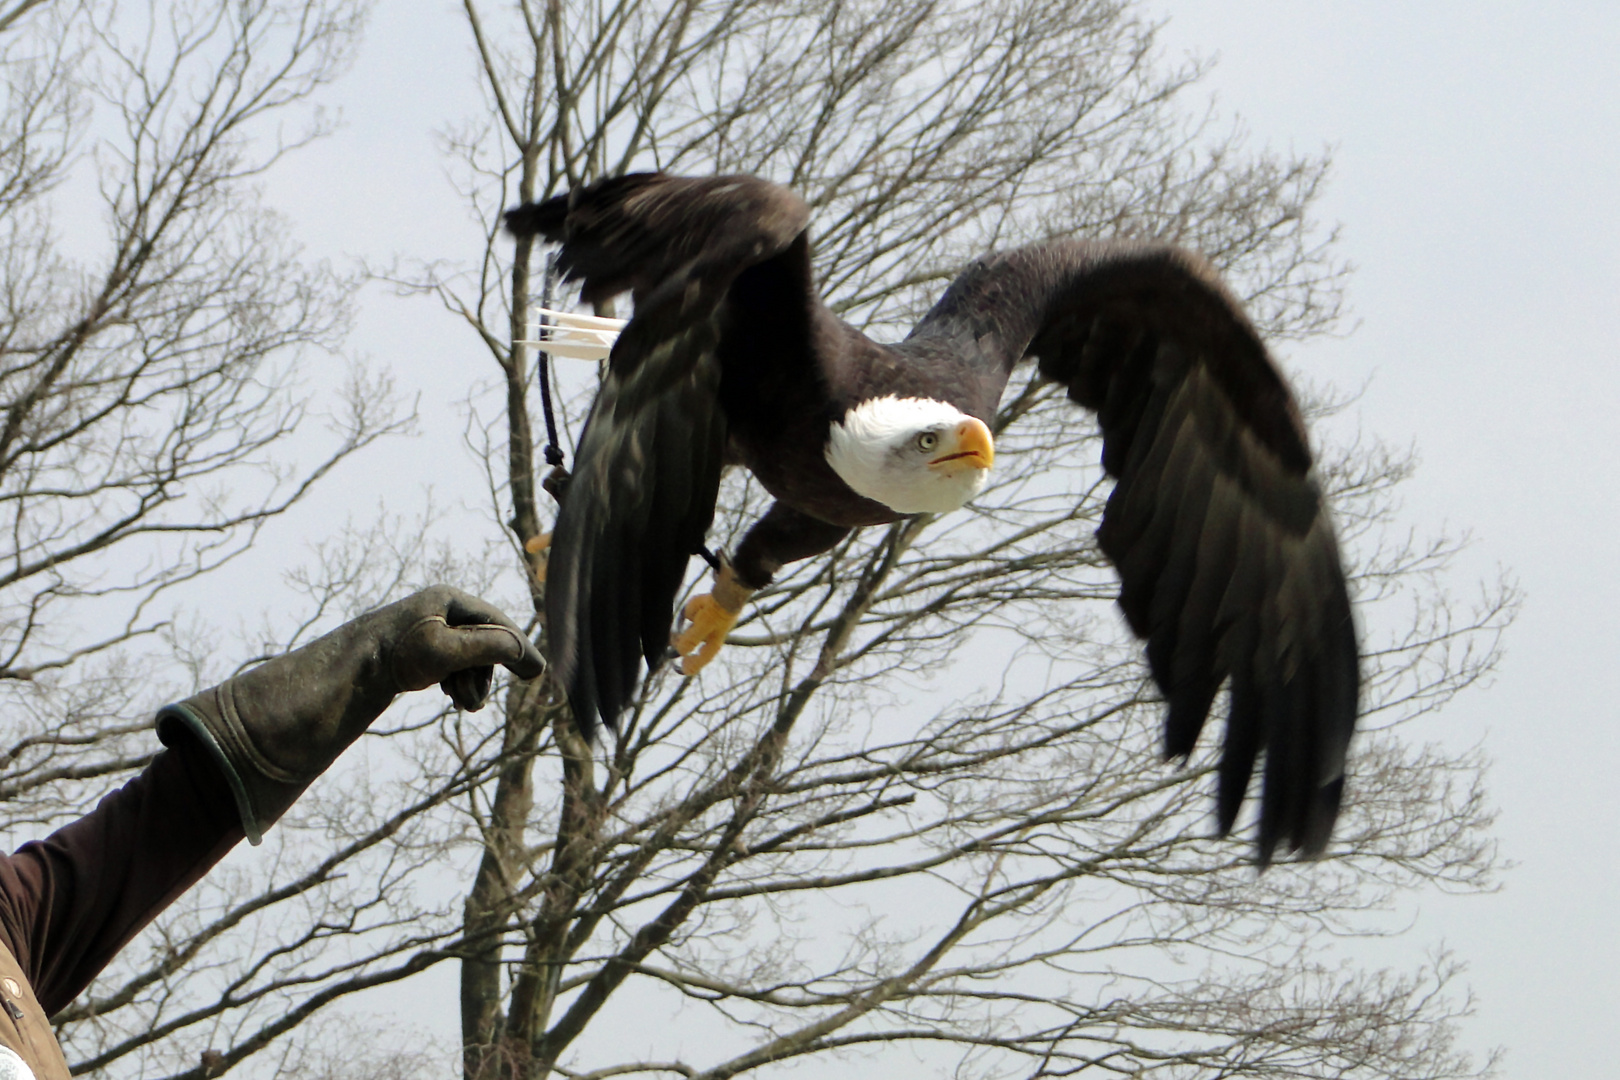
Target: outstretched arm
[239, 754]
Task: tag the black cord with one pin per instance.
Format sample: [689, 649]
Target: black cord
[554, 454]
[556, 481]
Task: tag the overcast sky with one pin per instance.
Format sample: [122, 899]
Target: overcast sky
[1477, 151]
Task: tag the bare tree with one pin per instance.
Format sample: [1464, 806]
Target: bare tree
[152, 312]
[1008, 878]
[916, 812]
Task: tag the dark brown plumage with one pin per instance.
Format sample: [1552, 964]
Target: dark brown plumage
[1228, 563]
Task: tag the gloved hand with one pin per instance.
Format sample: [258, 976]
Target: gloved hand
[276, 727]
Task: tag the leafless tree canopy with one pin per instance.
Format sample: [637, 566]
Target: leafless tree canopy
[915, 817]
[150, 311]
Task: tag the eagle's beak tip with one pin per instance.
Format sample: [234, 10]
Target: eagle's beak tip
[974, 445]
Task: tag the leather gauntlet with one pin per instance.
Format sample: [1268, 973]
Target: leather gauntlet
[276, 727]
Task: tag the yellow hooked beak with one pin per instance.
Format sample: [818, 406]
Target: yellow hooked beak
[970, 446]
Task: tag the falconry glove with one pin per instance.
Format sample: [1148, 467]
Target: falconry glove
[276, 727]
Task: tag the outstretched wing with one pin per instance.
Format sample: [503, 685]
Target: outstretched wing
[648, 466]
[1228, 562]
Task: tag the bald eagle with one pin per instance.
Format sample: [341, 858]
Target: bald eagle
[1229, 567]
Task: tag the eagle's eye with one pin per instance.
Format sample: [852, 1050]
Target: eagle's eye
[927, 441]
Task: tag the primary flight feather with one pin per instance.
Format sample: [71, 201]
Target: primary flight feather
[1228, 563]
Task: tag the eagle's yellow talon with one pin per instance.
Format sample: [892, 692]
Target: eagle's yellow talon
[701, 641]
[711, 616]
[536, 545]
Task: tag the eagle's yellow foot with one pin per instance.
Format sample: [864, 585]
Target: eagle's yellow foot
[535, 545]
[700, 642]
[711, 617]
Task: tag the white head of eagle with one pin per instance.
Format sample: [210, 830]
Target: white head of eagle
[913, 455]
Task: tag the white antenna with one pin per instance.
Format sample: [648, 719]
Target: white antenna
[571, 334]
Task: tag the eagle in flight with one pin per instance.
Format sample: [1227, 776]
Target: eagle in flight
[1228, 563]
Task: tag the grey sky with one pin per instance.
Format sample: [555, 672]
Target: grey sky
[1478, 151]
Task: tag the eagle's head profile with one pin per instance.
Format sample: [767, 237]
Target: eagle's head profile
[913, 455]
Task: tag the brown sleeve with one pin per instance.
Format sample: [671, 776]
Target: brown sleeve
[69, 902]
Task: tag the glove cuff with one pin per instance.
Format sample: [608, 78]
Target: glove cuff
[171, 721]
[242, 728]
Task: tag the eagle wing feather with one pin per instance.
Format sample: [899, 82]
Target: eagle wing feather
[1229, 567]
[647, 470]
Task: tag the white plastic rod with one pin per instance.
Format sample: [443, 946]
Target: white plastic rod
[576, 336]
[582, 320]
